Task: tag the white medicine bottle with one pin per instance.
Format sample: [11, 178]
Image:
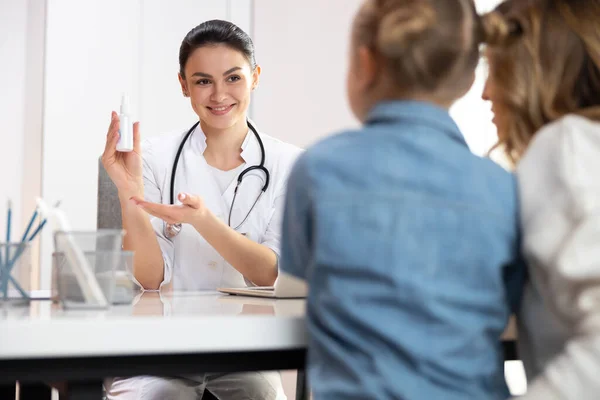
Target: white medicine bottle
[125, 143]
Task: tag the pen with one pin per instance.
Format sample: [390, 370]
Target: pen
[11, 263]
[33, 235]
[39, 228]
[8, 218]
[31, 221]
[8, 223]
[6, 265]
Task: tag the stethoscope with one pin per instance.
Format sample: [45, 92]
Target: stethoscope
[172, 230]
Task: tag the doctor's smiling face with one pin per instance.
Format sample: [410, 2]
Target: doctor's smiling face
[218, 73]
[219, 81]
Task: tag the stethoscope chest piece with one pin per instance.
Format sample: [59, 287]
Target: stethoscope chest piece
[172, 230]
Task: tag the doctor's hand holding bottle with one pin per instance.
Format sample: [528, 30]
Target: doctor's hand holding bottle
[123, 168]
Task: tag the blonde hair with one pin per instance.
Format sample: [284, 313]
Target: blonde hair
[544, 58]
[428, 46]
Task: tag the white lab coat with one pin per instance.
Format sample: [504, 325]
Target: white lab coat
[190, 262]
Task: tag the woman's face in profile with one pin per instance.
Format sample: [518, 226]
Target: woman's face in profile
[493, 93]
[219, 81]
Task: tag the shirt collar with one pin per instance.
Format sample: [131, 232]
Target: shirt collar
[250, 151]
[419, 112]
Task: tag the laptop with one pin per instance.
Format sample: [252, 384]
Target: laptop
[286, 287]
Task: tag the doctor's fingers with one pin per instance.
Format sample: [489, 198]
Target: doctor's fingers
[169, 218]
[190, 200]
[169, 213]
[137, 138]
[113, 120]
[109, 157]
[112, 137]
[114, 124]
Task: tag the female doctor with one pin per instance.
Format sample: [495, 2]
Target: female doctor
[203, 208]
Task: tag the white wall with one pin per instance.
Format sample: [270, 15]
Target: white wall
[22, 31]
[13, 39]
[302, 48]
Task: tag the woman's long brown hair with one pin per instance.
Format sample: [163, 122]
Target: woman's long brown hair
[544, 57]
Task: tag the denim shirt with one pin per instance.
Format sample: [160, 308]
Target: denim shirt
[409, 243]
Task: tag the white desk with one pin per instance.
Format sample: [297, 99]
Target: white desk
[168, 333]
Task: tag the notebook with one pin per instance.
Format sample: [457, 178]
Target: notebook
[286, 287]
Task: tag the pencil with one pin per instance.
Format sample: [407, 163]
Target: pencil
[31, 221]
[8, 223]
[6, 266]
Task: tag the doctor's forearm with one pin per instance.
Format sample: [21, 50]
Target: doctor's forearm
[256, 262]
[140, 238]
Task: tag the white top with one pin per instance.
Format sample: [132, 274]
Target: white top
[190, 262]
[156, 323]
[224, 178]
[559, 335]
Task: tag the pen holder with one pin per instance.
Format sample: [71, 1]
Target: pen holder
[15, 272]
[89, 264]
[90, 241]
[112, 270]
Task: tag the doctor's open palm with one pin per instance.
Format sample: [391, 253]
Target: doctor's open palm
[124, 169]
